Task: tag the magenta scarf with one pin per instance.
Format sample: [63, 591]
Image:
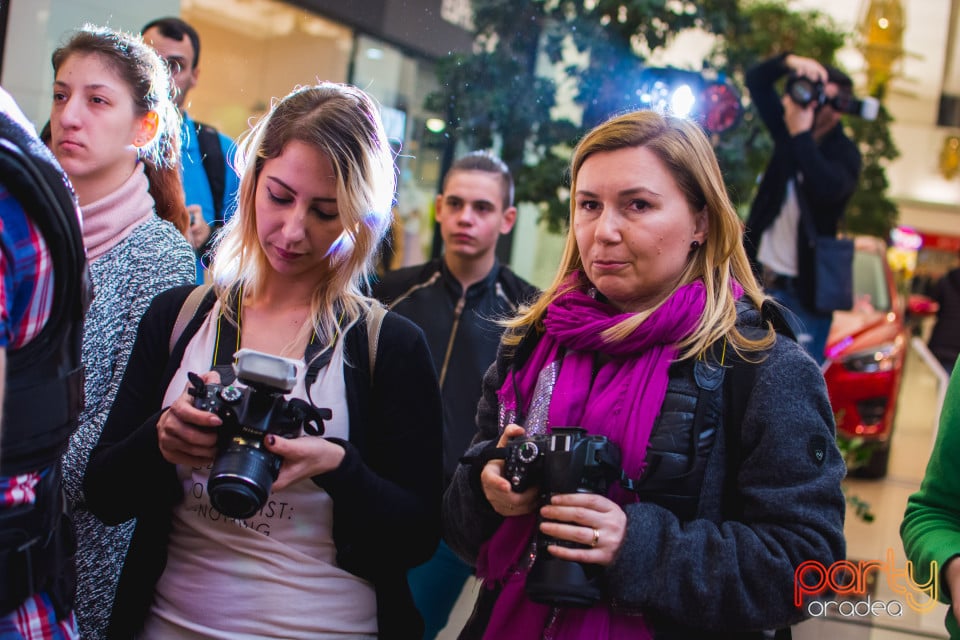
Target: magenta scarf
[621, 402]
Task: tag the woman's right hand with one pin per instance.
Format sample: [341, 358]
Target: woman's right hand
[497, 489]
[188, 435]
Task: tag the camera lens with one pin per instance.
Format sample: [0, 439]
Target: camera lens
[241, 479]
[802, 91]
[563, 583]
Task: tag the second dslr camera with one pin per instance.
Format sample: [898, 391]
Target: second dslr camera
[568, 460]
[803, 91]
[243, 470]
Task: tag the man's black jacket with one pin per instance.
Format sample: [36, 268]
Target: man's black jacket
[462, 331]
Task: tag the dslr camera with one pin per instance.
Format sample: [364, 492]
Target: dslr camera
[568, 460]
[243, 470]
[803, 91]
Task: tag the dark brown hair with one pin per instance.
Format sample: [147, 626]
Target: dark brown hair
[488, 163]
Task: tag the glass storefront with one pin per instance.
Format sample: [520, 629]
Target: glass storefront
[401, 83]
[257, 50]
[254, 51]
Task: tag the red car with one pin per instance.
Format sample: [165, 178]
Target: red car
[865, 354]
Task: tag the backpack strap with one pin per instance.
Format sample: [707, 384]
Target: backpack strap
[776, 314]
[374, 320]
[187, 311]
[741, 376]
[740, 379]
[214, 165]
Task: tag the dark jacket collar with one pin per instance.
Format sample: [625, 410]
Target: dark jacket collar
[477, 287]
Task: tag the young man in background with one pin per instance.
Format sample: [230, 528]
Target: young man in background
[457, 299]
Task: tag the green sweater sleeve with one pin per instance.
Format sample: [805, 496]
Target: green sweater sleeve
[931, 525]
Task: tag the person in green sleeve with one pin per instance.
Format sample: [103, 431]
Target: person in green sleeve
[931, 525]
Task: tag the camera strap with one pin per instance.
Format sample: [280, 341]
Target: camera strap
[489, 453]
[227, 344]
[316, 355]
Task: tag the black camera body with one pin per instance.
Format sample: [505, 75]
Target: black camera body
[803, 91]
[243, 470]
[568, 460]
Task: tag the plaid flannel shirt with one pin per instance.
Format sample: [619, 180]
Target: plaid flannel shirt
[26, 294]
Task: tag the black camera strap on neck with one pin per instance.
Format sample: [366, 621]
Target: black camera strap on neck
[228, 343]
[316, 355]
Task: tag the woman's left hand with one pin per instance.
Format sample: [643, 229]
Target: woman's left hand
[588, 519]
[199, 231]
[303, 457]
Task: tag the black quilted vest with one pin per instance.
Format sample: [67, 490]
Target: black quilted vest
[44, 378]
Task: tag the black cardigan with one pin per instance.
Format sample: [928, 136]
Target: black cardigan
[386, 492]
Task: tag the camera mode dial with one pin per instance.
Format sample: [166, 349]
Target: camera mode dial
[230, 394]
[528, 452]
[520, 465]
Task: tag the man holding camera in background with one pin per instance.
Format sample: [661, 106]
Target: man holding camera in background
[813, 173]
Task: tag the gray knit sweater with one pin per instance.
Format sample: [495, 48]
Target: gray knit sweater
[153, 258]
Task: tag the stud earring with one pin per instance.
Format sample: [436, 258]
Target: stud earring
[694, 245]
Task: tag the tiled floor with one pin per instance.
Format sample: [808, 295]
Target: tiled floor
[912, 440]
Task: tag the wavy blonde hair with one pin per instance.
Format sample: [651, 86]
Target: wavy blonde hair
[343, 123]
[686, 153]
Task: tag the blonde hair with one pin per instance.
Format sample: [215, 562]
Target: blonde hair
[343, 123]
[688, 156]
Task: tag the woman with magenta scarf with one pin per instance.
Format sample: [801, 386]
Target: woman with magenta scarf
[653, 305]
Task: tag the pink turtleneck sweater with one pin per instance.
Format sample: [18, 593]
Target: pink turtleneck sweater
[112, 218]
